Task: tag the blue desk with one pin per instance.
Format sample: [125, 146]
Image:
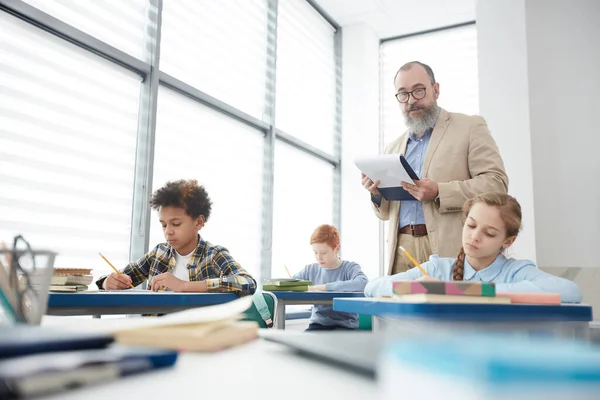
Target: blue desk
[300, 298]
[468, 315]
[130, 302]
[466, 312]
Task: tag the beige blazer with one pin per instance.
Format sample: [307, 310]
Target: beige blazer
[463, 158]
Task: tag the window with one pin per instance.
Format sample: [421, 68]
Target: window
[220, 48]
[196, 142]
[303, 201]
[121, 24]
[80, 140]
[68, 126]
[451, 53]
[306, 75]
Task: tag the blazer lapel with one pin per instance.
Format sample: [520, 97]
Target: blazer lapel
[403, 144]
[436, 136]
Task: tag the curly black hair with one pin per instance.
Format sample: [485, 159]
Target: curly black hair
[186, 194]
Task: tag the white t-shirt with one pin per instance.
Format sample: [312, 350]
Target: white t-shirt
[180, 271]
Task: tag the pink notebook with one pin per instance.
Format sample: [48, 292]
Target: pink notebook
[532, 298]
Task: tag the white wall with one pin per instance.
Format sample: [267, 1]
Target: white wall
[564, 62]
[360, 135]
[539, 89]
[504, 103]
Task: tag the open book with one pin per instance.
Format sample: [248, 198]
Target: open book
[208, 328]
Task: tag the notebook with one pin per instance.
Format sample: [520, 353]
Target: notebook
[455, 288]
[445, 298]
[199, 329]
[205, 337]
[72, 271]
[532, 298]
[274, 288]
[356, 351]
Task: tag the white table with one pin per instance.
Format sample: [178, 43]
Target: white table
[236, 373]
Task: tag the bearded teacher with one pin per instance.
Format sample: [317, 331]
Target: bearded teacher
[456, 159]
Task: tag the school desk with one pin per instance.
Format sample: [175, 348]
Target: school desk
[302, 298]
[130, 302]
[566, 319]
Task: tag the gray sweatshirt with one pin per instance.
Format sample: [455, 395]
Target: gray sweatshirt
[348, 277]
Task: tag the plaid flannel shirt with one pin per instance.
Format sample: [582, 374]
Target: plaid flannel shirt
[209, 263]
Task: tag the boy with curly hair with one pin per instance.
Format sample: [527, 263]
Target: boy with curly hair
[186, 262]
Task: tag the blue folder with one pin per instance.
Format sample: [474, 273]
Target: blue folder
[46, 373]
[398, 192]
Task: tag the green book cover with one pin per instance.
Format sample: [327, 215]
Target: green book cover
[274, 288]
[289, 282]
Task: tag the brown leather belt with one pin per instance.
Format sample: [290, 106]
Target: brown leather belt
[414, 230]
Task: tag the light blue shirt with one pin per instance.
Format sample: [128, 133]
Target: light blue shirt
[508, 274]
[411, 211]
[348, 277]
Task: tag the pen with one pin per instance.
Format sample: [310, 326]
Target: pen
[414, 261]
[112, 266]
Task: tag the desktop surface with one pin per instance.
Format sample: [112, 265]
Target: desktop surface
[263, 371]
[137, 298]
[316, 295]
[466, 312]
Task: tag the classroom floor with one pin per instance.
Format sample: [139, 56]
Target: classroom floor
[297, 325]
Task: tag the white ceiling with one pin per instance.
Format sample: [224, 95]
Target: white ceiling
[390, 18]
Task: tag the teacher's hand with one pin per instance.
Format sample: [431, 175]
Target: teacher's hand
[424, 190]
[370, 185]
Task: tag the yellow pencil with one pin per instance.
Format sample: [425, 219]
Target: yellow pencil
[288, 271]
[414, 261]
[113, 267]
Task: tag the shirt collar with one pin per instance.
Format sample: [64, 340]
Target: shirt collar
[196, 254]
[413, 136]
[487, 274]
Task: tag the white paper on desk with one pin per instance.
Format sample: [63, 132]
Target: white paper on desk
[385, 168]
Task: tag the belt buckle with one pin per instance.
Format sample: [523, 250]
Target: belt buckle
[412, 230]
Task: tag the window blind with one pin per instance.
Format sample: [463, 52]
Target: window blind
[68, 125]
[306, 75]
[303, 200]
[120, 23]
[219, 47]
[195, 142]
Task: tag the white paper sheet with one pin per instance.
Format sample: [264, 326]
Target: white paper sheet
[385, 168]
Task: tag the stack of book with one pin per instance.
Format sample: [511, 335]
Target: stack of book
[71, 279]
[287, 285]
[447, 292]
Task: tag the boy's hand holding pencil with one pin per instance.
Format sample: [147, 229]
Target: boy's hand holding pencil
[116, 280]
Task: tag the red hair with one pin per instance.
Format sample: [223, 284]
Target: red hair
[327, 234]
